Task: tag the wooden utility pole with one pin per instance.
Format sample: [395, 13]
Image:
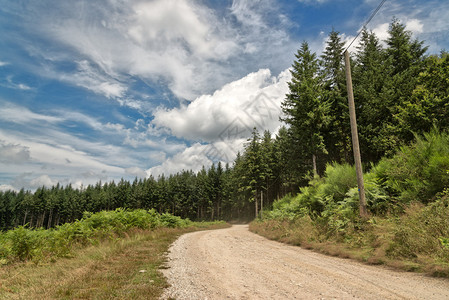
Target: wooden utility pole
[355, 138]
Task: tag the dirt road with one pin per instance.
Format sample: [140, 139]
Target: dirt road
[234, 263]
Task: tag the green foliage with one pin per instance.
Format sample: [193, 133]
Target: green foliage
[168, 220]
[336, 132]
[338, 180]
[23, 243]
[333, 198]
[418, 171]
[444, 242]
[423, 231]
[305, 111]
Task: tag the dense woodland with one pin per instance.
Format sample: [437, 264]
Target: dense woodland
[399, 91]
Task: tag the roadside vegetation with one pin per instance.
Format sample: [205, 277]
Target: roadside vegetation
[106, 255]
[408, 201]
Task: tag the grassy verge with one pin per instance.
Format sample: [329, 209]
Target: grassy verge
[125, 268]
[412, 242]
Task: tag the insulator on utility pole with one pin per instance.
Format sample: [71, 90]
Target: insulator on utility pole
[355, 138]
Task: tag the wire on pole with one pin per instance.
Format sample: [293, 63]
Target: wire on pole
[367, 22]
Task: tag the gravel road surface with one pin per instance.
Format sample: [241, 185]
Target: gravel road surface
[234, 263]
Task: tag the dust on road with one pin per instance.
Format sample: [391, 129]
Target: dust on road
[234, 263]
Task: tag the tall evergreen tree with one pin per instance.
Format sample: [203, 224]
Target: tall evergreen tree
[254, 175]
[369, 81]
[305, 108]
[405, 59]
[337, 135]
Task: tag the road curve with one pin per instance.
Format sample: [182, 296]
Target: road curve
[234, 263]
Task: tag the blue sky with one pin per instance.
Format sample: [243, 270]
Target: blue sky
[100, 90]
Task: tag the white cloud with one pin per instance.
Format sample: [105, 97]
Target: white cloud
[158, 156]
[92, 79]
[192, 158]
[199, 155]
[182, 44]
[21, 115]
[414, 25]
[253, 101]
[224, 120]
[381, 31]
[172, 40]
[43, 180]
[13, 153]
[3, 63]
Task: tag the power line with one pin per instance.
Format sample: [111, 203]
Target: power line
[367, 22]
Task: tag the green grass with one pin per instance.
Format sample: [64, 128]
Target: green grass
[119, 268]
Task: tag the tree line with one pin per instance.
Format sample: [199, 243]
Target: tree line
[399, 92]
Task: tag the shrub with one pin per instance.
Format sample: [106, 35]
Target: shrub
[171, 221]
[418, 171]
[377, 199]
[338, 180]
[22, 241]
[23, 244]
[423, 230]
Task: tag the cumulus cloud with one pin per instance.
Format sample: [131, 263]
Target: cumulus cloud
[24, 181]
[192, 158]
[253, 101]
[414, 25]
[223, 120]
[13, 153]
[43, 180]
[199, 155]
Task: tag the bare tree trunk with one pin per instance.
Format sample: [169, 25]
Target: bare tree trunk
[25, 218]
[50, 216]
[256, 202]
[314, 165]
[41, 221]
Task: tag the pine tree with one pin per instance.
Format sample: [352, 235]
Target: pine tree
[337, 135]
[369, 81]
[254, 171]
[305, 108]
[405, 59]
